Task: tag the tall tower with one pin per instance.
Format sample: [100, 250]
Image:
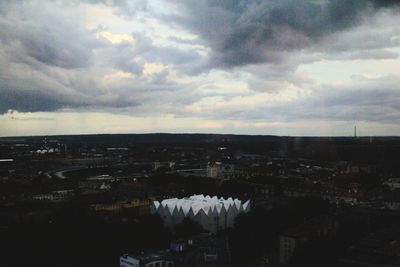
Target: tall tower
[355, 131]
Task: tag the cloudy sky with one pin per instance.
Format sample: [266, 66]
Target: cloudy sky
[287, 67]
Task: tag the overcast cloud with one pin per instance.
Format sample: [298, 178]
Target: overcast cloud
[223, 66]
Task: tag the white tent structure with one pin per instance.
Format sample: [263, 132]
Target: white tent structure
[212, 213]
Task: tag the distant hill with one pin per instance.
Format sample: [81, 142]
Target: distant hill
[168, 138]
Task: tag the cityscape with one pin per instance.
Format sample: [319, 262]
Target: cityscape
[200, 200]
[200, 133]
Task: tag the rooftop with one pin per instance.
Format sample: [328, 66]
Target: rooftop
[197, 203]
[152, 256]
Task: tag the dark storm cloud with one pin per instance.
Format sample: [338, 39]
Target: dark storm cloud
[27, 101]
[246, 32]
[46, 36]
[41, 48]
[33, 97]
[386, 3]
[50, 61]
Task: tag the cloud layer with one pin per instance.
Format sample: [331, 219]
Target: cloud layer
[246, 32]
[206, 61]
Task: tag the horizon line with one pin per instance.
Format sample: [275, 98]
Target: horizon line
[204, 133]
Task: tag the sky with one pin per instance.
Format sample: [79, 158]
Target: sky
[287, 67]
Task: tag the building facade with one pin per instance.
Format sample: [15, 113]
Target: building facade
[160, 259]
[212, 213]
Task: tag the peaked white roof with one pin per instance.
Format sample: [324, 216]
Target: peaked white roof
[200, 203]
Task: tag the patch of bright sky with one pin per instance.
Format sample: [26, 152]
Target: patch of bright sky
[219, 82]
[107, 17]
[152, 68]
[117, 75]
[381, 26]
[212, 105]
[104, 16]
[334, 70]
[45, 123]
[115, 38]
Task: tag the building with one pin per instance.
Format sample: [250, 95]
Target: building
[362, 168]
[375, 250]
[391, 199]
[210, 255]
[212, 213]
[157, 165]
[101, 183]
[180, 245]
[159, 259]
[393, 183]
[220, 170]
[141, 205]
[295, 237]
[55, 196]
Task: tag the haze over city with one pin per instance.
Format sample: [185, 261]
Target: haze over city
[246, 67]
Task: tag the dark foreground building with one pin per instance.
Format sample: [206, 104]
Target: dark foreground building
[376, 250]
